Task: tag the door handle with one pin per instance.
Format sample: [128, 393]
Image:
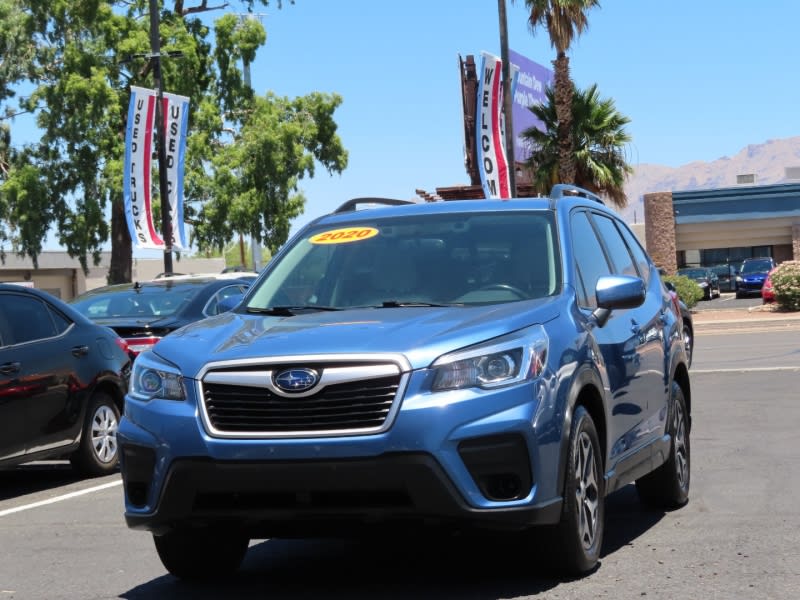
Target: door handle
[80, 351]
[10, 368]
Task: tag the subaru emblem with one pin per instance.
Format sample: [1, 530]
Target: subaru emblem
[296, 380]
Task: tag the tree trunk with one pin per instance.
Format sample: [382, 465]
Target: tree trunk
[563, 97]
[119, 270]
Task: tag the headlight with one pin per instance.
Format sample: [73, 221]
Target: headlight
[738, 278]
[497, 363]
[154, 378]
[703, 284]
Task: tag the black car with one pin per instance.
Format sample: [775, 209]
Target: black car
[144, 312]
[726, 273]
[62, 383]
[687, 327]
[706, 278]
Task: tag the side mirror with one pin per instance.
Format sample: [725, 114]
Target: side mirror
[614, 292]
[229, 303]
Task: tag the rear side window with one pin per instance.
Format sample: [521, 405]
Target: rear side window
[26, 319]
[590, 259]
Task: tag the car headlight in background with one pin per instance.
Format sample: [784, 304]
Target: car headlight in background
[154, 378]
[497, 363]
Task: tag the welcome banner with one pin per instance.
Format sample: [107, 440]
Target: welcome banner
[492, 163]
[138, 175]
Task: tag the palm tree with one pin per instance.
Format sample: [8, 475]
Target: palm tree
[598, 139]
[564, 21]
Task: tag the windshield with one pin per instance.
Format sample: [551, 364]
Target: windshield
[694, 273]
[422, 259]
[756, 266]
[160, 301]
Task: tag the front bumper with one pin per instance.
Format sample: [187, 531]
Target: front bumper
[291, 499]
[488, 458]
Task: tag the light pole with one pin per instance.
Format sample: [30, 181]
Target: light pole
[163, 185]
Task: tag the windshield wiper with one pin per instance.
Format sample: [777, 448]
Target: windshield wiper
[288, 311]
[398, 304]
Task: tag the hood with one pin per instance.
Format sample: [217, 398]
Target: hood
[421, 334]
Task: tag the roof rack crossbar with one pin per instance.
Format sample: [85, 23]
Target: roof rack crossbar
[351, 205]
[565, 189]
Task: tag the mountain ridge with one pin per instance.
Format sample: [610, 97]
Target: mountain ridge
[767, 161]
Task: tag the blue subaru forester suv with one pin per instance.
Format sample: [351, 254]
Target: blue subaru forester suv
[460, 363]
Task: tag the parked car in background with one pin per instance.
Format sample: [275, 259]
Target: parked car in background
[145, 311]
[463, 364]
[726, 274]
[62, 383]
[767, 291]
[687, 327]
[705, 278]
[752, 275]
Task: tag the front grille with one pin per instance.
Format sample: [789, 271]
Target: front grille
[354, 405]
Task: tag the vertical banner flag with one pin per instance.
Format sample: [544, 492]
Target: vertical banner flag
[176, 111]
[138, 176]
[136, 184]
[491, 154]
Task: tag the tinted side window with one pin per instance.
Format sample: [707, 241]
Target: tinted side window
[28, 319]
[590, 259]
[620, 256]
[638, 252]
[60, 321]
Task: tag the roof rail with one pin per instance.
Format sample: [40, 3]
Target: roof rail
[351, 205]
[565, 189]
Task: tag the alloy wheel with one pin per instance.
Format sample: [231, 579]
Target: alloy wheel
[681, 452]
[104, 433]
[587, 491]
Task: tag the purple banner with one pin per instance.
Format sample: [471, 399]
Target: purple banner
[532, 81]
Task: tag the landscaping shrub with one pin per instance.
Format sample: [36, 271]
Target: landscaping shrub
[786, 283]
[687, 289]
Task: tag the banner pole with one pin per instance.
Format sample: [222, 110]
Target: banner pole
[163, 186]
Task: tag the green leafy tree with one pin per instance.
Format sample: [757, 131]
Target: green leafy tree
[85, 56]
[599, 141]
[564, 20]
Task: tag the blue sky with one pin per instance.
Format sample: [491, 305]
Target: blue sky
[700, 79]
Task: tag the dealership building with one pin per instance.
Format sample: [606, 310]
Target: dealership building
[726, 225]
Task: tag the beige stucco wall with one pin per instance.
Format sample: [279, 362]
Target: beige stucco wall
[64, 277]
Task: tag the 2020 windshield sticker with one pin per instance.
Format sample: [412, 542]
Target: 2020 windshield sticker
[344, 236]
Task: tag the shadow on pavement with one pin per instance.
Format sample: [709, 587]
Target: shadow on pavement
[36, 477]
[465, 566]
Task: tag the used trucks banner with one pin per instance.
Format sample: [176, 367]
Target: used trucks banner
[138, 175]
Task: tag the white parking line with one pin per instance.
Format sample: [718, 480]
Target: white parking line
[11, 511]
[750, 370]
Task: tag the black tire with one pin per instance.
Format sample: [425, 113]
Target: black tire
[668, 486]
[201, 554]
[578, 538]
[98, 453]
[688, 342]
